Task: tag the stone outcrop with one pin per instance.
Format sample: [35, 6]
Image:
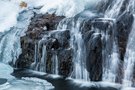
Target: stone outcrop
[42, 32]
[39, 26]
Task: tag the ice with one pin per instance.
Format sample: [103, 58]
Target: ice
[10, 10]
[128, 88]
[5, 71]
[37, 80]
[26, 85]
[8, 14]
[68, 8]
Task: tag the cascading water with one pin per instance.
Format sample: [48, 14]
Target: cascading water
[10, 40]
[40, 57]
[113, 11]
[39, 64]
[77, 43]
[79, 58]
[112, 60]
[43, 60]
[129, 61]
[48, 53]
[55, 64]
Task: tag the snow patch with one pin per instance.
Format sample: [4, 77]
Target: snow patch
[8, 15]
[5, 71]
[68, 8]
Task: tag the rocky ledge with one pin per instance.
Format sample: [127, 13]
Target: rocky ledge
[42, 33]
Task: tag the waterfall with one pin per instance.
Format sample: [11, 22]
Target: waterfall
[110, 55]
[110, 72]
[10, 48]
[111, 60]
[85, 45]
[40, 56]
[79, 58]
[129, 61]
[55, 64]
[39, 63]
[43, 60]
[77, 44]
[113, 11]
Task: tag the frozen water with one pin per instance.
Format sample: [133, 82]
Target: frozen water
[28, 84]
[8, 14]
[68, 8]
[5, 71]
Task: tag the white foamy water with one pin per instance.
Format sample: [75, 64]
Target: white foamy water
[129, 60]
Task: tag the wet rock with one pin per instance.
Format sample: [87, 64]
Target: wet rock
[95, 43]
[36, 31]
[41, 32]
[124, 26]
[94, 59]
[65, 61]
[63, 37]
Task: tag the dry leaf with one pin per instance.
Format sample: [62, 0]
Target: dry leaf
[23, 4]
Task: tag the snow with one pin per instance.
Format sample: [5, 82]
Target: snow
[5, 71]
[68, 8]
[8, 14]
[10, 11]
[26, 85]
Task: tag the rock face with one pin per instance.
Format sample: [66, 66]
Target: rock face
[42, 32]
[124, 26]
[95, 43]
[40, 25]
[43, 41]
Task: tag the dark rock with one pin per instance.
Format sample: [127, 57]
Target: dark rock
[124, 26]
[66, 64]
[95, 44]
[56, 42]
[94, 59]
[34, 34]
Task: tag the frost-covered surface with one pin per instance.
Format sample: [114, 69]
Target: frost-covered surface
[31, 84]
[5, 71]
[128, 88]
[67, 8]
[24, 84]
[8, 14]
[13, 23]
[47, 85]
[10, 47]
[10, 9]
